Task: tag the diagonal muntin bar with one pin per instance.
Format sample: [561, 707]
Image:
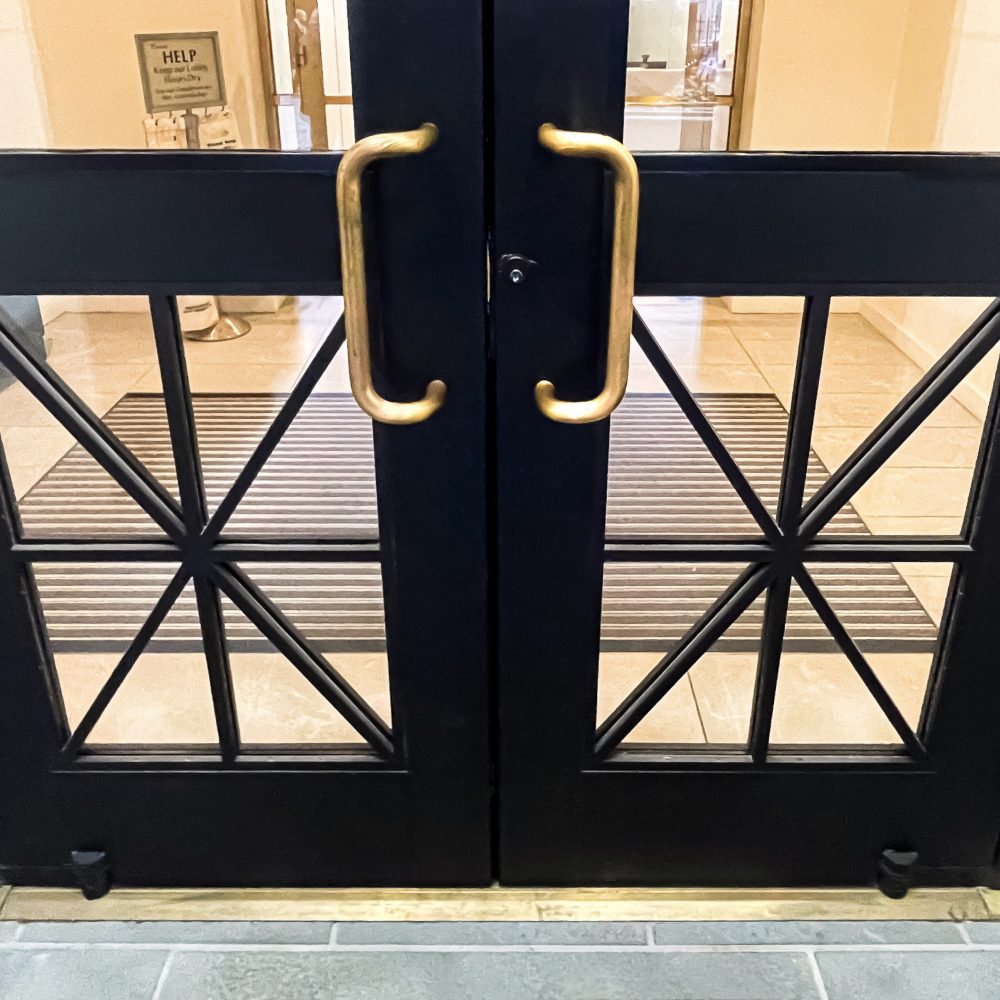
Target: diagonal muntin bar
[220, 675]
[90, 432]
[858, 661]
[936, 385]
[288, 641]
[772, 638]
[129, 658]
[702, 426]
[802, 412]
[794, 470]
[697, 640]
[318, 364]
[191, 485]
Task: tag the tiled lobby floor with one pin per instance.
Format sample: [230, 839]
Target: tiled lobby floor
[722, 960]
[923, 489]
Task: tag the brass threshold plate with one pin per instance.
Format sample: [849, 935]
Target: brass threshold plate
[499, 904]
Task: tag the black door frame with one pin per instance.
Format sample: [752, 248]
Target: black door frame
[414, 807]
[575, 806]
[419, 811]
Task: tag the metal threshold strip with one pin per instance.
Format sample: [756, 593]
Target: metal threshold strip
[500, 904]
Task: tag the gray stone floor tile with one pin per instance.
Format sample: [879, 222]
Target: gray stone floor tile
[492, 932]
[79, 974]
[7, 930]
[807, 932]
[984, 933]
[181, 932]
[457, 975]
[910, 975]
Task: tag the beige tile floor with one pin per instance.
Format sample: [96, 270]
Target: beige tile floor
[922, 489]
[166, 698]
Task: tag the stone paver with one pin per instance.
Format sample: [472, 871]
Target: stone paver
[494, 932]
[909, 975]
[549, 960]
[808, 932]
[181, 932]
[504, 975]
[75, 974]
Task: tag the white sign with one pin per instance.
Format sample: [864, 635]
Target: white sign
[181, 71]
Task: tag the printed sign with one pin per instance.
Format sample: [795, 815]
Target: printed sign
[181, 71]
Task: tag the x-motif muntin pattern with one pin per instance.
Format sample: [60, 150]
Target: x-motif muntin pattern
[793, 535]
[194, 536]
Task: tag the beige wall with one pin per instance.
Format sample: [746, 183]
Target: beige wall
[945, 100]
[823, 73]
[88, 62]
[918, 75]
[24, 123]
[929, 47]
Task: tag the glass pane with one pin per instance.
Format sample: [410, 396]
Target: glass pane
[320, 479]
[647, 609]
[663, 128]
[275, 75]
[874, 356]
[102, 348]
[723, 679]
[663, 480]
[339, 611]
[92, 613]
[679, 79]
[821, 699]
[682, 48]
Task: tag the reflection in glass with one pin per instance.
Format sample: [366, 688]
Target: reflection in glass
[648, 610]
[338, 610]
[92, 614]
[821, 697]
[679, 79]
[874, 359]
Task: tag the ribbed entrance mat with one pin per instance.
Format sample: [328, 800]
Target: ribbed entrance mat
[320, 483]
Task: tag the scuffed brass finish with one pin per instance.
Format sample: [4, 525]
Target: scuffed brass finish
[619, 159]
[352, 262]
[496, 904]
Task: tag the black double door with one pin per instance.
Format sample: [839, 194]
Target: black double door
[491, 255]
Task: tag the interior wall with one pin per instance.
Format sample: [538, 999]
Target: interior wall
[87, 59]
[24, 123]
[823, 76]
[945, 101]
[914, 75]
[929, 48]
[70, 76]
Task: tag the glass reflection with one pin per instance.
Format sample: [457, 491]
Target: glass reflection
[679, 80]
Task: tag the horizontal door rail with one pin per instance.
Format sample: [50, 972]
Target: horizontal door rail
[169, 223]
[818, 223]
[203, 222]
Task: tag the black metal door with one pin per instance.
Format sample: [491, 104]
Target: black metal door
[580, 802]
[406, 803]
[409, 802]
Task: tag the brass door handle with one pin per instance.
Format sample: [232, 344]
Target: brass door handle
[622, 164]
[352, 265]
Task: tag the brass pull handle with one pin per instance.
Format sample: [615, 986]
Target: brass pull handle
[619, 159]
[352, 265]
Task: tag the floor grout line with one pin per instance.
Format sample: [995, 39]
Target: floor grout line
[650, 935]
[332, 939]
[161, 981]
[965, 934]
[551, 949]
[817, 975]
